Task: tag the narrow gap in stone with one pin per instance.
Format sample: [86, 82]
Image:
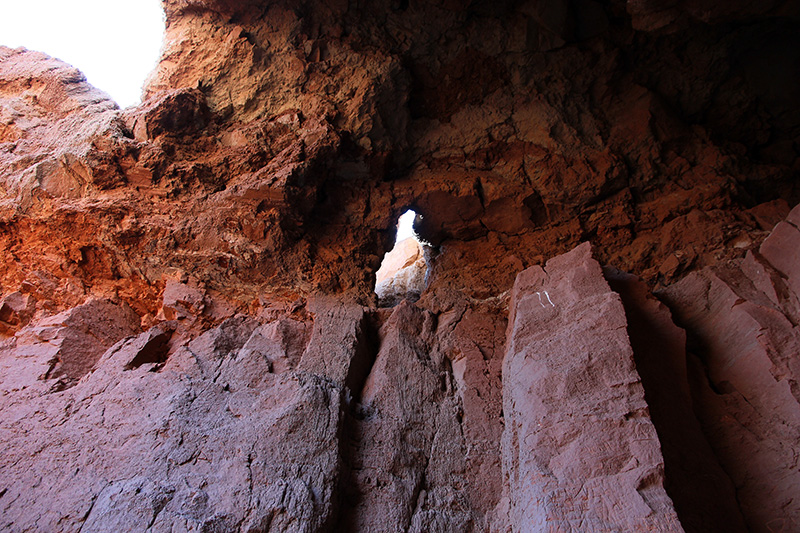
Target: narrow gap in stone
[403, 270]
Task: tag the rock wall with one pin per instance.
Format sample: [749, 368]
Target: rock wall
[580, 451]
[745, 343]
[191, 340]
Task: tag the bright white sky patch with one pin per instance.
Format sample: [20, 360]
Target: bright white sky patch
[405, 226]
[115, 43]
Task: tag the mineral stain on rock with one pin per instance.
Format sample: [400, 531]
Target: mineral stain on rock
[600, 332]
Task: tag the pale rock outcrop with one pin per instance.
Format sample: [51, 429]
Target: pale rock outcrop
[204, 439]
[580, 452]
[402, 272]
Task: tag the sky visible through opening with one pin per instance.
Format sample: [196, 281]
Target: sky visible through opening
[405, 226]
[115, 43]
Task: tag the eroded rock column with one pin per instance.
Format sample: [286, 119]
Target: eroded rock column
[580, 452]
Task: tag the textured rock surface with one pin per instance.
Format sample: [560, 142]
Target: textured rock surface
[408, 457]
[402, 273]
[66, 346]
[200, 441]
[743, 318]
[580, 452]
[190, 337]
[702, 492]
[279, 142]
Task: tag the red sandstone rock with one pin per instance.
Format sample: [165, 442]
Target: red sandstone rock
[16, 309]
[701, 491]
[152, 348]
[182, 301]
[250, 199]
[71, 342]
[742, 319]
[579, 449]
[264, 127]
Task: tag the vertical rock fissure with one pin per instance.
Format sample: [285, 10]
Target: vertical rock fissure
[366, 350]
[702, 492]
[349, 448]
[402, 451]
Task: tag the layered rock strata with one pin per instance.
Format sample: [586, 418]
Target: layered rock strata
[330, 416]
[191, 340]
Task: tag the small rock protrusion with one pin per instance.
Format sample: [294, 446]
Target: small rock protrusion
[181, 301]
[16, 310]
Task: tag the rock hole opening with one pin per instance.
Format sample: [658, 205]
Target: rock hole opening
[404, 269]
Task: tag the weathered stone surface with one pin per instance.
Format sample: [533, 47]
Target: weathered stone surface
[277, 345]
[65, 347]
[181, 301]
[471, 336]
[277, 141]
[179, 112]
[16, 309]
[703, 495]
[55, 132]
[340, 347]
[238, 216]
[579, 449]
[207, 440]
[742, 323]
[407, 453]
[660, 14]
[402, 273]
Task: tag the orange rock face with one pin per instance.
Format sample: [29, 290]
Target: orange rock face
[191, 335]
